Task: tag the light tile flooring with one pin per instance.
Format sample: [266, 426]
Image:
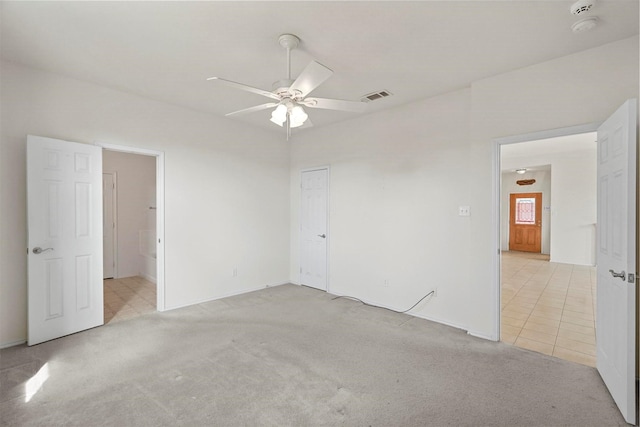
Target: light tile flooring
[549, 307]
[127, 298]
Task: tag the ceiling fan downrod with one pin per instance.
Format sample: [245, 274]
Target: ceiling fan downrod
[289, 42]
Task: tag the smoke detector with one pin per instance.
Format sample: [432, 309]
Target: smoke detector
[585, 24]
[581, 7]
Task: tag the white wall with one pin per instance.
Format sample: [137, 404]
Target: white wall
[226, 186]
[136, 192]
[573, 202]
[397, 180]
[542, 185]
[398, 177]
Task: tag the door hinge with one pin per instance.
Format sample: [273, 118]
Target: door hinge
[632, 278]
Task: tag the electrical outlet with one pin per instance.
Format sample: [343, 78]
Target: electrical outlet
[386, 283]
[464, 211]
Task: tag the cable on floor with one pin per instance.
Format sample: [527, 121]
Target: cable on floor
[390, 309]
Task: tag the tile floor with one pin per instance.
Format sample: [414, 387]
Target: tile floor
[127, 298]
[549, 307]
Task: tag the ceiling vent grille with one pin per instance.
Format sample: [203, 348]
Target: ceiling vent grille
[376, 95]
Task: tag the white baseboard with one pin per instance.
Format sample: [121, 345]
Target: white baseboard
[426, 317]
[12, 344]
[489, 337]
[227, 295]
[439, 320]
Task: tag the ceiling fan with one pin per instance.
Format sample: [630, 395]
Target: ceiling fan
[289, 96]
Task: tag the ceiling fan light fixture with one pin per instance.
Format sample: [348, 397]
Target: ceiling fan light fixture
[298, 116]
[521, 171]
[279, 115]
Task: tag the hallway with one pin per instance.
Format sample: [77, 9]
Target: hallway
[549, 307]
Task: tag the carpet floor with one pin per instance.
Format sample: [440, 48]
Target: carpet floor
[292, 356]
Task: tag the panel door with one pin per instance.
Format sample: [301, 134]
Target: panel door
[616, 257]
[313, 229]
[64, 201]
[525, 222]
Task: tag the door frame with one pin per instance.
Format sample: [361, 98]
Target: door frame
[159, 155]
[328, 169]
[114, 206]
[496, 178]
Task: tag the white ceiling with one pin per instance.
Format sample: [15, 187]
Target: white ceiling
[166, 50]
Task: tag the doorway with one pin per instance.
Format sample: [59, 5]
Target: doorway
[129, 240]
[138, 281]
[617, 242]
[548, 279]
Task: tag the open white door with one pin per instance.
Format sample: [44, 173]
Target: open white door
[64, 201]
[313, 229]
[616, 257]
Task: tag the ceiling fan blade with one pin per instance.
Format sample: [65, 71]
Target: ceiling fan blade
[253, 109]
[246, 88]
[335, 104]
[311, 77]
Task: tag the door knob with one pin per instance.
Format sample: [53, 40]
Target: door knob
[38, 250]
[322, 235]
[621, 275]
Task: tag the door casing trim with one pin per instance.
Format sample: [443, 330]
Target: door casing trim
[159, 155]
[114, 205]
[496, 186]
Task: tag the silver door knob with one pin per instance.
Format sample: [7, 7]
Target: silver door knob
[38, 250]
[622, 275]
[322, 235]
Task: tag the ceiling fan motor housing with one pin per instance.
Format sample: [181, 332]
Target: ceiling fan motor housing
[281, 87]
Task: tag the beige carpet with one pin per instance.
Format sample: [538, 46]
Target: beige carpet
[292, 356]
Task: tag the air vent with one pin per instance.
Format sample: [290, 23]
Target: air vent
[376, 95]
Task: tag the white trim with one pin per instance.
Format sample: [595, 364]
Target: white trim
[483, 336]
[12, 344]
[328, 169]
[409, 313]
[159, 155]
[227, 295]
[441, 321]
[495, 201]
[546, 134]
[114, 206]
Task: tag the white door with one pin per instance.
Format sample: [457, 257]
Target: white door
[313, 229]
[616, 256]
[109, 224]
[64, 201]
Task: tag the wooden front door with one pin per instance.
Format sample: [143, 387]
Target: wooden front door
[525, 222]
